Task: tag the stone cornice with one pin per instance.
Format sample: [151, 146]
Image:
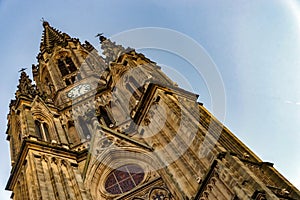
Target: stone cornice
[39, 146]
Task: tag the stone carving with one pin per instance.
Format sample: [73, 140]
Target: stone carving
[26, 87]
[159, 194]
[88, 46]
[135, 116]
[111, 50]
[155, 193]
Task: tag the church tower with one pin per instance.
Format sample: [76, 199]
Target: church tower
[95, 127]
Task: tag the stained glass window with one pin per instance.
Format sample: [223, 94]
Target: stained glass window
[124, 178]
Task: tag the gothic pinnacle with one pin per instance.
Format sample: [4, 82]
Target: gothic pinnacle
[25, 86]
[111, 50]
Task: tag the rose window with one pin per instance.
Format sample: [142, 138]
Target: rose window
[124, 178]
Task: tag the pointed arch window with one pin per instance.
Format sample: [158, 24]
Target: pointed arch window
[105, 116]
[62, 67]
[42, 130]
[66, 66]
[38, 129]
[46, 131]
[134, 88]
[136, 84]
[70, 64]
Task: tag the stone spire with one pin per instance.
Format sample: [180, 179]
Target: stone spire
[111, 50]
[25, 86]
[52, 37]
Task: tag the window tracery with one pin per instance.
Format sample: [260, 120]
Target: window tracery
[124, 179]
[66, 66]
[42, 130]
[159, 194]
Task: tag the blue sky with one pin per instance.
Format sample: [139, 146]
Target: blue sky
[254, 44]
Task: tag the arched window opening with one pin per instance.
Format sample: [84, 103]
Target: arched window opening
[134, 97]
[42, 130]
[104, 115]
[62, 67]
[124, 179]
[70, 64]
[66, 66]
[46, 130]
[84, 127]
[129, 88]
[138, 86]
[132, 91]
[38, 129]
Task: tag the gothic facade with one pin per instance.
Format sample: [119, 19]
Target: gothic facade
[114, 126]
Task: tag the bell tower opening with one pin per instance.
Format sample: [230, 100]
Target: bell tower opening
[66, 66]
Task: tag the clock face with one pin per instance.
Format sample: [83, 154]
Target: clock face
[79, 90]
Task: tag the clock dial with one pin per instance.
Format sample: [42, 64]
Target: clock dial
[79, 90]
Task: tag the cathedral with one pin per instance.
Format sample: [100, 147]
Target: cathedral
[113, 126]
